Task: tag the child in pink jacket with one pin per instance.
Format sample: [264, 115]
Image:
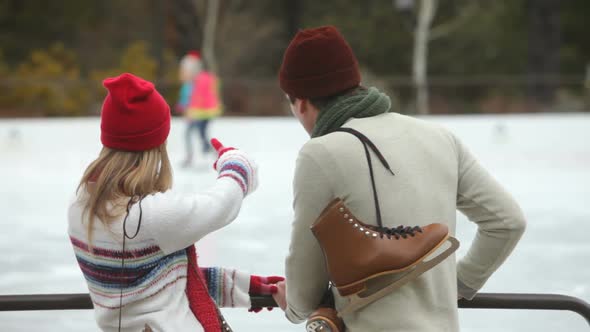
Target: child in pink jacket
[199, 101]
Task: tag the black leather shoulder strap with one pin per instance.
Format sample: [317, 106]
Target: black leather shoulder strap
[368, 144]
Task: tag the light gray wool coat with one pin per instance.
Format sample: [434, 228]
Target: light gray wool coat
[435, 175]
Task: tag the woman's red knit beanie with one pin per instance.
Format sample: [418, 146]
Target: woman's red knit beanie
[134, 117]
[318, 63]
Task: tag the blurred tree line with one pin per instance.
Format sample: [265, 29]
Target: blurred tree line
[483, 56]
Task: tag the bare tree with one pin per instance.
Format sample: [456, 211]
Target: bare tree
[209, 32]
[234, 39]
[425, 15]
[423, 34]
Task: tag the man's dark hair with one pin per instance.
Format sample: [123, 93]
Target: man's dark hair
[322, 103]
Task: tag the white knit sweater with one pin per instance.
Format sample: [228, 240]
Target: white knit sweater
[156, 262]
[435, 174]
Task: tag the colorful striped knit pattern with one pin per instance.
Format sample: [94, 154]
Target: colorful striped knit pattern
[217, 284]
[147, 271]
[234, 165]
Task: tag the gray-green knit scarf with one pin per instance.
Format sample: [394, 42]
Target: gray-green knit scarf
[364, 104]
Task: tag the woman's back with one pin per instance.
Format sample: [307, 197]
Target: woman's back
[134, 238]
[150, 285]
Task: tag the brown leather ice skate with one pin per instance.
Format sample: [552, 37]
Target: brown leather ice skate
[356, 252]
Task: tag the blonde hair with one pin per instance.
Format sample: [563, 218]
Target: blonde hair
[115, 176]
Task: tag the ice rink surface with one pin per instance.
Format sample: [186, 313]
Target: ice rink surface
[543, 160]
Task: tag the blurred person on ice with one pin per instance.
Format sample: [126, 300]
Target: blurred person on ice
[199, 102]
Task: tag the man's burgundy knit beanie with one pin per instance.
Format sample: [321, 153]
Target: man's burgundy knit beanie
[318, 63]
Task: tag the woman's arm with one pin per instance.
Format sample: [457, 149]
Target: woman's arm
[231, 288]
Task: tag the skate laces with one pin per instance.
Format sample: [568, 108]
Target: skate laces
[399, 231]
[396, 232]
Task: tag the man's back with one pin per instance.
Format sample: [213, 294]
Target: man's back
[434, 175]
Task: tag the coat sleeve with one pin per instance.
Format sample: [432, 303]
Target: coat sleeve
[499, 219]
[178, 221]
[185, 95]
[306, 275]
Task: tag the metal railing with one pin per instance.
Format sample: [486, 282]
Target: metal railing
[481, 301]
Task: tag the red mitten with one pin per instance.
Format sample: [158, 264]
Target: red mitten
[220, 150]
[263, 286]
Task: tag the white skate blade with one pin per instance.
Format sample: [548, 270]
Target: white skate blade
[357, 302]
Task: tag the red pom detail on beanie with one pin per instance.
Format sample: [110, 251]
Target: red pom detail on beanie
[134, 117]
[318, 63]
[194, 53]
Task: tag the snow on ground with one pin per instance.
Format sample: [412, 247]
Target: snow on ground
[543, 160]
